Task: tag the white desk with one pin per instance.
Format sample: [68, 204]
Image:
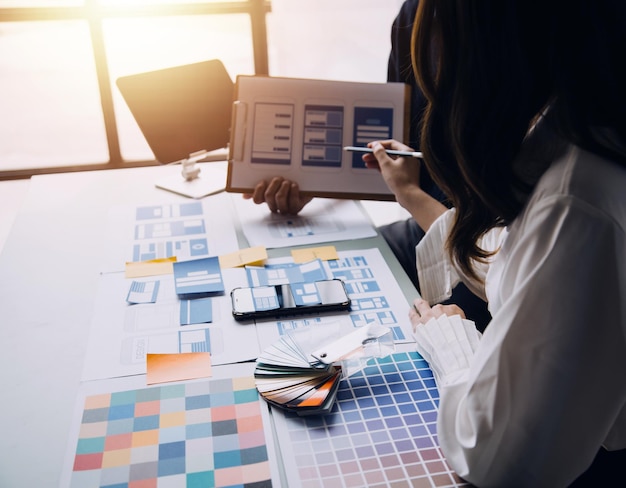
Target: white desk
[12, 193]
[48, 279]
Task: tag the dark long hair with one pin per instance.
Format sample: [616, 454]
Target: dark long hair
[488, 69]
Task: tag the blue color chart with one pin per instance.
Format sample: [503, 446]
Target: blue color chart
[382, 431]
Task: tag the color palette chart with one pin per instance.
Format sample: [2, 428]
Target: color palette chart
[382, 432]
[194, 434]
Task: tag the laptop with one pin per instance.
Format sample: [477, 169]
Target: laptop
[181, 110]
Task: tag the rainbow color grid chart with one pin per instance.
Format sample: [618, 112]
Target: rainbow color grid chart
[194, 434]
[381, 432]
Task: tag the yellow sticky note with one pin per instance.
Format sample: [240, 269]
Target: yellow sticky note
[151, 267]
[162, 368]
[250, 256]
[325, 253]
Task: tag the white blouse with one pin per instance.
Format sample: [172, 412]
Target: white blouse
[545, 386]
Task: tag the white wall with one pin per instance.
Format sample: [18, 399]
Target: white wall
[331, 39]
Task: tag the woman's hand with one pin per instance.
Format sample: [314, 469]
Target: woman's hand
[421, 311]
[281, 195]
[402, 176]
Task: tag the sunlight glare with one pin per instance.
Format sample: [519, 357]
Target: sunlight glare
[148, 2]
[141, 44]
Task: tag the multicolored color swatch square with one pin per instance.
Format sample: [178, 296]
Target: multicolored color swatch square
[196, 434]
[382, 431]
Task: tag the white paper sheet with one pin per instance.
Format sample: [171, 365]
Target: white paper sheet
[185, 228]
[121, 334]
[210, 180]
[322, 220]
[375, 295]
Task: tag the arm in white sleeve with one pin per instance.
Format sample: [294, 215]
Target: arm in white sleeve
[447, 343]
[545, 387]
[437, 274]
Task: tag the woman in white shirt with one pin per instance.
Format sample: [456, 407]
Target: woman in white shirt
[525, 131]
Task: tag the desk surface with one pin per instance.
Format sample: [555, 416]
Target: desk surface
[48, 282]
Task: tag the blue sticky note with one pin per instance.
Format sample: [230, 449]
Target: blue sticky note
[143, 292]
[196, 311]
[198, 277]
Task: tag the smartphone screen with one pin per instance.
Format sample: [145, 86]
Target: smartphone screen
[289, 299]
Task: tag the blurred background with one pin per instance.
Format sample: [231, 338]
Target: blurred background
[60, 109]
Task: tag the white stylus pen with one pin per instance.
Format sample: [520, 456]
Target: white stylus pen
[388, 151]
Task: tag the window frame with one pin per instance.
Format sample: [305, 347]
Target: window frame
[94, 14]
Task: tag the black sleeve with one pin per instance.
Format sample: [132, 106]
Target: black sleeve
[400, 69]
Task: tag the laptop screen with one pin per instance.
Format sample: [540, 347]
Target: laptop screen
[181, 110]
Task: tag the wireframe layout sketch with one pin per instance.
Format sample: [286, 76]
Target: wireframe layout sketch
[297, 128]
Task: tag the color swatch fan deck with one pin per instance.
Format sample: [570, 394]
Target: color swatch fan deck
[307, 382]
[286, 379]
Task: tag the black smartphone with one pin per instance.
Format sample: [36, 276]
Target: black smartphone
[277, 301]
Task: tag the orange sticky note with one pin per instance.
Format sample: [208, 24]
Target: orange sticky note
[250, 256]
[152, 267]
[325, 253]
[162, 368]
